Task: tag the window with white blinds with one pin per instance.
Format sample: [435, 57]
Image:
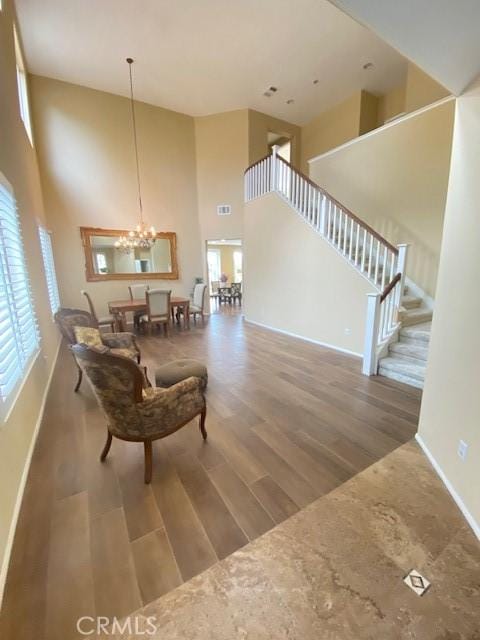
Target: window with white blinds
[19, 337]
[50, 275]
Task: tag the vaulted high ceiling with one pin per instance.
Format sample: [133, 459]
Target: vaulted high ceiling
[440, 36]
[207, 56]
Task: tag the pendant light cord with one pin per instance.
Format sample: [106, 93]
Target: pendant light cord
[134, 124]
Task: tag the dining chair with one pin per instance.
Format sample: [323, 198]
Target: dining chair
[104, 321]
[138, 292]
[158, 309]
[135, 411]
[214, 290]
[198, 305]
[236, 292]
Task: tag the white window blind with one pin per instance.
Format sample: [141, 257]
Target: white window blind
[19, 337]
[50, 275]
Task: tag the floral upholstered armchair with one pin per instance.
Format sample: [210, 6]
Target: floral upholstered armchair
[79, 326]
[135, 411]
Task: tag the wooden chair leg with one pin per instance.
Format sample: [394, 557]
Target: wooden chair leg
[79, 381]
[148, 461]
[107, 446]
[203, 416]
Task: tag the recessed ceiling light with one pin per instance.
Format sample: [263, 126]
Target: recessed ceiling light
[368, 65]
[291, 101]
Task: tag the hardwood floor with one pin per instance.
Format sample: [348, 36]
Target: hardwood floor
[287, 422]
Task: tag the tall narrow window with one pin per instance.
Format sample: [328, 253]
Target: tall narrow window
[19, 338]
[22, 87]
[48, 263]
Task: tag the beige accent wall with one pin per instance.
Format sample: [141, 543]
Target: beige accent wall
[368, 112]
[288, 279]
[418, 90]
[85, 149]
[19, 165]
[396, 179]
[330, 129]
[451, 401]
[259, 124]
[391, 104]
[421, 89]
[222, 156]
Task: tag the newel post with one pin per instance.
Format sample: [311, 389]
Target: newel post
[401, 268]
[369, 367]
[273, 168]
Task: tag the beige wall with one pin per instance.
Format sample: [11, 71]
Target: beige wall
[451, 401]
[396, 180]
[421, 89]
[330, 129]
[84, 142]
[418, 90]
[259, 124]
[391, 104]
[368, 112]
[222, 157]
[288, 279]
[18, 164]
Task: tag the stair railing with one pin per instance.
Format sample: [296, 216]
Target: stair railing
[367, 251]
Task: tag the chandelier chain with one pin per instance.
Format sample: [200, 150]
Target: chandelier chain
[135, 143]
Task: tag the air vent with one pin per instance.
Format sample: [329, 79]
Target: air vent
[224, 210]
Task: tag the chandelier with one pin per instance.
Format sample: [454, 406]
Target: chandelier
[143, 236]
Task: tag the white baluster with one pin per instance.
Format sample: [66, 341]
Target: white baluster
[345, 233]
[384, 272]
[364, 249]
[350, 244]
[357, 244]
[370, 257]
[401, 268]
[323, 217]
[377, 261]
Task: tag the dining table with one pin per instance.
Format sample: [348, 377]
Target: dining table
[118, 309]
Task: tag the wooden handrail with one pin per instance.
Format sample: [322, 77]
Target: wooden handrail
[269, 155]
[391, 285]
[363, 224]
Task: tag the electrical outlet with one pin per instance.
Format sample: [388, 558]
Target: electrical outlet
[462, 450]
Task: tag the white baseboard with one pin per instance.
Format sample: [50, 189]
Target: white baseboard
[460, 504]
[295, 335]
[23, 480]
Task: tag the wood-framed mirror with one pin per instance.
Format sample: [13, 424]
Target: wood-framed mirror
[103, 261]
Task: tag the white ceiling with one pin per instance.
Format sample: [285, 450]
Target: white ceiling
[440, 36]
[207, 56]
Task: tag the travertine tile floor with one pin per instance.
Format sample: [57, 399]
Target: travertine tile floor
[334, 570]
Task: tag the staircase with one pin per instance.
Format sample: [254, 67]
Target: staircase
[407, 356]
[392, 314]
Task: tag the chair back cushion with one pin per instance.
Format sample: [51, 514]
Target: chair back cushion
[158, 301]
[236, 288]
[88, 335]
[138, 291]
[198, 295]
[67, 319]
[117, 383]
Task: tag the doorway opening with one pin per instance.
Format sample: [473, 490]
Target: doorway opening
[225, 273]
[284, 143]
